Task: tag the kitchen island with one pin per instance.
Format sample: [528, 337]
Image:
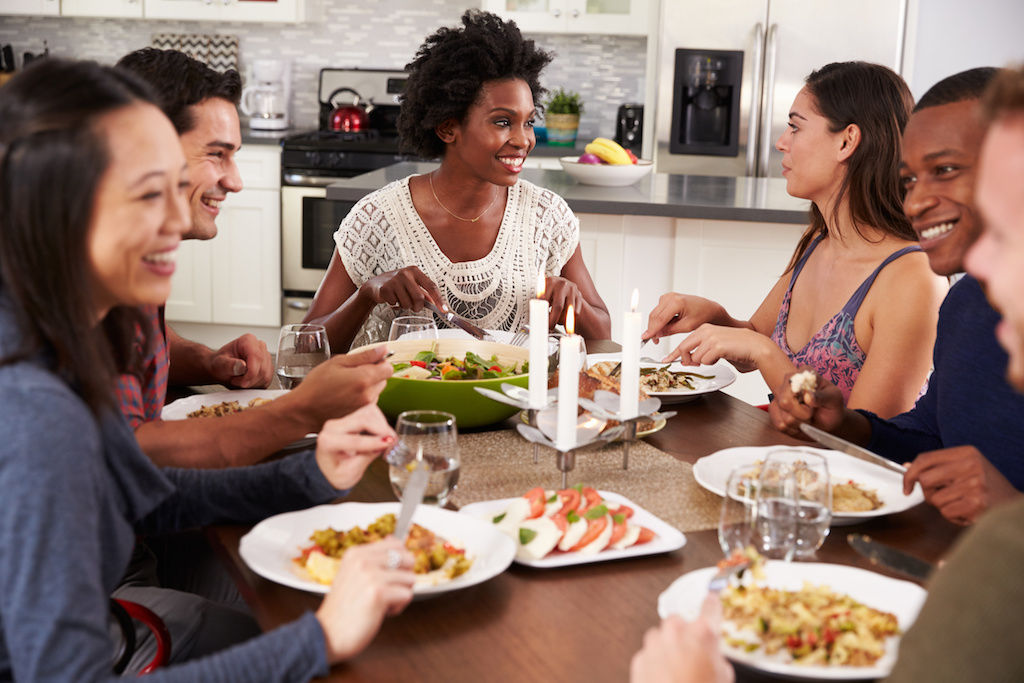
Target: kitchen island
[724, 238]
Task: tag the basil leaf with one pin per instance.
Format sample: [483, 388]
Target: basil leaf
[619, 519]
[426, 356]
[499, 518]
[526, 535]
[395, 367]
[553, 498]
[572, 517]
[596, 512]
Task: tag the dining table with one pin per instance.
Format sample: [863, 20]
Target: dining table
[572, 623]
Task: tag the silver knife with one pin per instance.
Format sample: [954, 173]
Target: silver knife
[834, 442]
[412, 496]
[889, 557]
[461, 323]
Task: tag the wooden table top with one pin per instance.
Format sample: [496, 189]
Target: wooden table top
[580, 623]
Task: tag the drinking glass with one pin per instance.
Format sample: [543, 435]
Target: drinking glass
[300, 348]
[413, 327]
[432, 435]
[775, 528]
[814, 493]
[554, 342]
[738, 519]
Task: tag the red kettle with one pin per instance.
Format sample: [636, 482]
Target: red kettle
[350, 118]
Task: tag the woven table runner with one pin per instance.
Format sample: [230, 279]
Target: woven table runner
[500, 465]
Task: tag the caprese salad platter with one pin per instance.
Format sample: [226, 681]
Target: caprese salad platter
[577, 525]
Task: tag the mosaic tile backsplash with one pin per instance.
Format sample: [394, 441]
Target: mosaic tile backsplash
[605, 70]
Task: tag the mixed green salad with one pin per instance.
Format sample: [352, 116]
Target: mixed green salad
[428, 365]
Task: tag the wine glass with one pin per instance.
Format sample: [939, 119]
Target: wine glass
[432, 436]
[554, 341]
[737, 521]
[814, 491]
[777, 500]
[412, 327]
[300, 348]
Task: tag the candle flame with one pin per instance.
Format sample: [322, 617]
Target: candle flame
[541, 281]
[634, 300]
[570, 320]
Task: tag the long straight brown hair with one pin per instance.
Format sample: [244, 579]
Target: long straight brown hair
[879, 102]
[51, 161]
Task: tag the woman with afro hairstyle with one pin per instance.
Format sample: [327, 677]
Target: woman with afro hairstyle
[469, 236]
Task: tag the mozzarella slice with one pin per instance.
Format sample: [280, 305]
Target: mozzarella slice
[601, 542]
[545, 540]
[573, 534]
[628, 539]
[551, 508]
[516, 512]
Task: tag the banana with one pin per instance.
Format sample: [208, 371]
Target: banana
[609, 151]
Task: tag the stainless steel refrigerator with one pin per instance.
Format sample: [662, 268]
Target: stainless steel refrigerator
[728, 71]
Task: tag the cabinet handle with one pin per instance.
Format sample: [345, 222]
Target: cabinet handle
[575, 14]
[298, 305]
[755, 99]
[557, 13]
[769, 99]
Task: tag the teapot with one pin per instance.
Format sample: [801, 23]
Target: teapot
[348, 118]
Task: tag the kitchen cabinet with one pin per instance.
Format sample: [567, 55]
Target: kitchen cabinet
[34, 7]
[274, 11]
[126, 9]
[614, 17]
[235, 278]
[734, 263]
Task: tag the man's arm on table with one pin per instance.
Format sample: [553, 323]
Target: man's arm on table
[243, 363]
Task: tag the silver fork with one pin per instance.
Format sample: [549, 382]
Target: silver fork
[521, 337]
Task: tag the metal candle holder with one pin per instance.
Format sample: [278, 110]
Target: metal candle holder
[590, 433]
[605, 405]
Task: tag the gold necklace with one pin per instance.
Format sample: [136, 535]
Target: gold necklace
[430, 179]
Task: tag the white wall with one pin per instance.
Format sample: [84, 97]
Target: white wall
[953, 35]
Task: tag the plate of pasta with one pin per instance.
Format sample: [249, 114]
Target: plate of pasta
[806, 620]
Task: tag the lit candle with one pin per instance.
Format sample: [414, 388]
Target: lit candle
[539, 347]
[568, 385]
[629, 375]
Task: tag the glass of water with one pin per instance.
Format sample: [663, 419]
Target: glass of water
[431, 435]
[412, 327]
[300, 348]
[810, 474]
[737, 522]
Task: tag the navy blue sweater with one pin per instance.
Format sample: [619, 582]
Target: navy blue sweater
[75, 490]
[968, 402]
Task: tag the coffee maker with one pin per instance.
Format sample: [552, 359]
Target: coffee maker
[265, 100]
[706, 102]
[629, 126]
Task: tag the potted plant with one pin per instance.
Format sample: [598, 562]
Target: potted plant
[562, 117]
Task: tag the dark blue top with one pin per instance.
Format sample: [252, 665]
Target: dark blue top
[968, 402]
[75, 490]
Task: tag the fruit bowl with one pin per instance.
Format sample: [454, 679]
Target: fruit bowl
[458, 397]
[606, 175]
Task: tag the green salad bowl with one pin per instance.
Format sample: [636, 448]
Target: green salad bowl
[458, 397]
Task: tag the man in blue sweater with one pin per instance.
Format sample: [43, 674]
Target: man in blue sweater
[963, 436]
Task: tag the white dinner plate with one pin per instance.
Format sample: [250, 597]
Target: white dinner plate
[271, 545]
[667, 538]
[179, 410]
[711, 471]
[902, 598]
[721, 376]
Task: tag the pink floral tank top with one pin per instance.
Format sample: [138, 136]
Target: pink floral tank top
[833, 351]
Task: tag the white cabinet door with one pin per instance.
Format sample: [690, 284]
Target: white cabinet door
[246, 266]
[43, 7]
[617, 17]
[283, 11]
[129, 9]
[190, 299]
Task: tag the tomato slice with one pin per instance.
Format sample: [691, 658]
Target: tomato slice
[591, 497]
[570, 500]
[623, 510]
[537, 501]
[594, 529]
[418, 363]
[646, 535]
[618, 530]
[561, 522]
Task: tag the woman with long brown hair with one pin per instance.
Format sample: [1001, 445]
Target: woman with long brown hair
[858, 302]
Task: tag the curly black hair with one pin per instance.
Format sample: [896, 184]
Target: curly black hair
[181, 81]
[966, 85]
[450, 68]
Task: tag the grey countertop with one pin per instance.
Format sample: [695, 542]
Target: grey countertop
[266, 137]
[762, 200]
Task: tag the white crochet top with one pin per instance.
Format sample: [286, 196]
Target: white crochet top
[383, 232]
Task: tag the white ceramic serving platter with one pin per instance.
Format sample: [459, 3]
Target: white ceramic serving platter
[721, 376]
[667, 537]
